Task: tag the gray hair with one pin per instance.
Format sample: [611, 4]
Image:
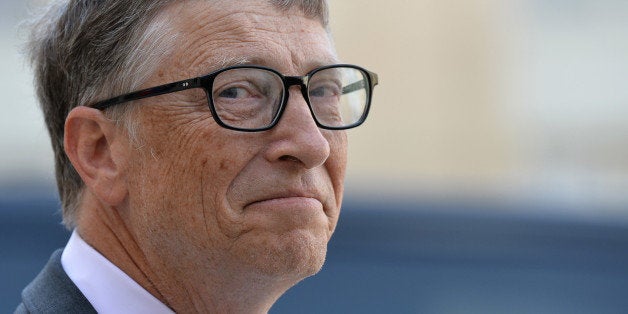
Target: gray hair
[85, 50]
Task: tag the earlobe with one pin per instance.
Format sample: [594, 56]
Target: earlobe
[93, 145]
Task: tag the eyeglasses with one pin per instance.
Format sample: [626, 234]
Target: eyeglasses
[253, 98]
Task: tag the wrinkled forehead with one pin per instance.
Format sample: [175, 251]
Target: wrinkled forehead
[215, 34]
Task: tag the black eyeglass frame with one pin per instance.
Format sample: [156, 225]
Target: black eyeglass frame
[206, 82]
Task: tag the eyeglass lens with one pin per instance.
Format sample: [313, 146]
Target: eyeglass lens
[251, 98]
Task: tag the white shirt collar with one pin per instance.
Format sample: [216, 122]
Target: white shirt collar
[106, 286]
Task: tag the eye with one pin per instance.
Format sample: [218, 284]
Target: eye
[234, 93]
[328, 89]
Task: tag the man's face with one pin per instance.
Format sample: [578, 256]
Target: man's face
[206, 199]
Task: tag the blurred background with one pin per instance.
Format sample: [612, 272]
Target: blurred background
[490, 177]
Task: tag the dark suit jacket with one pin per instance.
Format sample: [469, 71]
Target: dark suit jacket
[53, 291]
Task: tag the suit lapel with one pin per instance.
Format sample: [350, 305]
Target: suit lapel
[53, 291]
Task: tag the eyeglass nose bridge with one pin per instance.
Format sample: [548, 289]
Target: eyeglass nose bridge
[301, 81]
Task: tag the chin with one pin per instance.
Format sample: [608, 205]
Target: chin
[291, 256]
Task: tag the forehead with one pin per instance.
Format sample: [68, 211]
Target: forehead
[214, 34]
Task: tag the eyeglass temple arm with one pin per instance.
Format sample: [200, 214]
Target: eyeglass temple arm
[360, 84]
[149, 92]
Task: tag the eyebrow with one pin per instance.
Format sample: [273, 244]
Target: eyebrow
[213, 64]
[233, 61]
[244, 60]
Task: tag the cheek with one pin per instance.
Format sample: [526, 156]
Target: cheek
[174, 186]
[178, 204]
[336, 164]
[335, 167]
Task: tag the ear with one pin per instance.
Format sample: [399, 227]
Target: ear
[97, 150]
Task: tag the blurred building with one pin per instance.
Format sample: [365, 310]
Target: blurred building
[493, 100]
[489, 178]
[478, 99]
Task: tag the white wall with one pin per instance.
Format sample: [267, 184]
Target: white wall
[482, 99]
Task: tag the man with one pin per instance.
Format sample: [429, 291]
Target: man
[200, 151]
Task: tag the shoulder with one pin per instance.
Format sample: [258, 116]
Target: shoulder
[52, 291]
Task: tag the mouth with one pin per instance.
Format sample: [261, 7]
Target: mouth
[290, 201]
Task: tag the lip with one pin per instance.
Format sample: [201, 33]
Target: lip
[289, 199]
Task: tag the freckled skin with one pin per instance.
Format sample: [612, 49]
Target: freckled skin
[195, 206]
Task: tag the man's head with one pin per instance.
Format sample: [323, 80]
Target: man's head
[84, 51]
[184, 204]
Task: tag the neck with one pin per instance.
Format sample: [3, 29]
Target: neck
[101, 228]
[256, 297]
[184, 289]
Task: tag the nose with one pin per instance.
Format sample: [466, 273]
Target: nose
[296, 137]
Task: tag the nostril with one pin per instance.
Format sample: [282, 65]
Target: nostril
[289, 158]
